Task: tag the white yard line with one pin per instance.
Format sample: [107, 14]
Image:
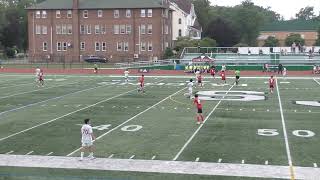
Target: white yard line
[292, 174]
[47, 122]
[156, 166]
[29, 153]
[58, 97]
[111, 156]
[49, 153]
[198, 129]
[9, 152]
[132, 118]
[153, 157]
[316, 81]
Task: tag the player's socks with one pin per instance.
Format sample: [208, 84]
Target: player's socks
[201, 118]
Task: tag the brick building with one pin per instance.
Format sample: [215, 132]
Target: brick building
[282, 29]
[120, 30]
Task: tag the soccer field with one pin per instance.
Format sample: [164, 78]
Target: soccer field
[244, 126]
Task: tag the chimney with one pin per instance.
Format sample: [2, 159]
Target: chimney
[75, 4]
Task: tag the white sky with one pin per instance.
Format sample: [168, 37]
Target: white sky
[286, 8]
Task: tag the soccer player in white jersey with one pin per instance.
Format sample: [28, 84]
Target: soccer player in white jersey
[87, 139]
[190, 87]
[38, 70]
[284, 72]
[126, 75]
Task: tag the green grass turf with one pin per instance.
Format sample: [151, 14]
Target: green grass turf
[8, 173]
[229, 134]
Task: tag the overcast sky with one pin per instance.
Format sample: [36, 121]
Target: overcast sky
[286, 8]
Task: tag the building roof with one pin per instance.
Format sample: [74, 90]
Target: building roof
[185, 5]
[292, 25]
[197, 25]
[99, 4]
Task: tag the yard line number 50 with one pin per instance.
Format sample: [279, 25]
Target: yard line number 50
[274, 132]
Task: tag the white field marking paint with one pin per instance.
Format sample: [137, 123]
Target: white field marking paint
[175, 108]
[138, 107]
[78, 105]
[309, 111]
[10, 152]
[240, 109]
[242, 162]
[29, 152]
[40, 102]
[198, 129]
[132, 156]
[49, 153]
[153, 157]
[65, 105]
[113, 106]
[52, 120]
[295, 110]
[197, 159]
[111, 156]
[284, 82]
[253, 109]
[125, 122]
[54, 105]
[268, 110]
[266, 163]
[292, 174]
[316, 81]
[315, 165]
[219, 160]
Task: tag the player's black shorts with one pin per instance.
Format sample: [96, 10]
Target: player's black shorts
[96, 69]
[237, 77]
[199, 110]
[199, 82]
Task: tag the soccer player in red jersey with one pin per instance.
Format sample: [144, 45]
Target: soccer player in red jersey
[141, 80]
[199, 82]
[271, 84]
[198, 104]
[41, 78]
[213, 72]
[223, 76]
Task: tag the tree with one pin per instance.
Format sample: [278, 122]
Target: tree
[294, 38]
[168, 53]
[271, 42]
[208, 42]
[318, 39]
[223, 32]
[306, 13]
[202, 8]
[183, 42]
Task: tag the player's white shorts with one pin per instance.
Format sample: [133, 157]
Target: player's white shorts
[190, 91]
[87, 143]
[126, 77]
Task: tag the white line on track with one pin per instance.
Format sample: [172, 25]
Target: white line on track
[285, 135]
[242, 162]
[219, 160]
[29, 152]
[198, 129]
[266, 163]
[10, 152]
[153, 157]
[47, 122]
[315, 165]
[49, 153]
[58, 97]
[132, 156]
[197, 159]
[120, 125]
[111, 156]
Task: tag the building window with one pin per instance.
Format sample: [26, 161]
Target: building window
[143, 29]
[100, 13]
[150, 48]
[82, 46]
[65, 45]
[97, 46]
[69, 13]
[149, 12]
[58, 14]
[58, 29]
[128, 29]
[88, 29]
[59, 47]
[97, 29]
[44, 14]
[166, 29]
[126, 46]
[143, 13]
[143, 46]
[180, 21]
[64, 29]
[116, 13]
[44, 30]
[38, 29]
[149, 28]
[180, 33]
[85, 14]
[165, 13]
[82, 29]
[69, 28]
[119, 46]
[44, 46]
[128, 13]
[122, 29]
[116, 29]
[38, 14]
[103, 29]
[104, 46]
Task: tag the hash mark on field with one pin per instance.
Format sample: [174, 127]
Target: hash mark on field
[113, 106]
[309, 111]
[78, 105]
[49, 153]
[197, 159]
[9, 152]
[175, 108]
[111, 156]
[138, 107]
[153, 157]
[266, 163]
[242, 162]
[43, 105]
[253, 109]
[220, 160]
[295, 110]
[268, 110]
[126, 107]
[315, 165]
[132, 156]
[29, 152]
[54, 105]
[240, 109]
